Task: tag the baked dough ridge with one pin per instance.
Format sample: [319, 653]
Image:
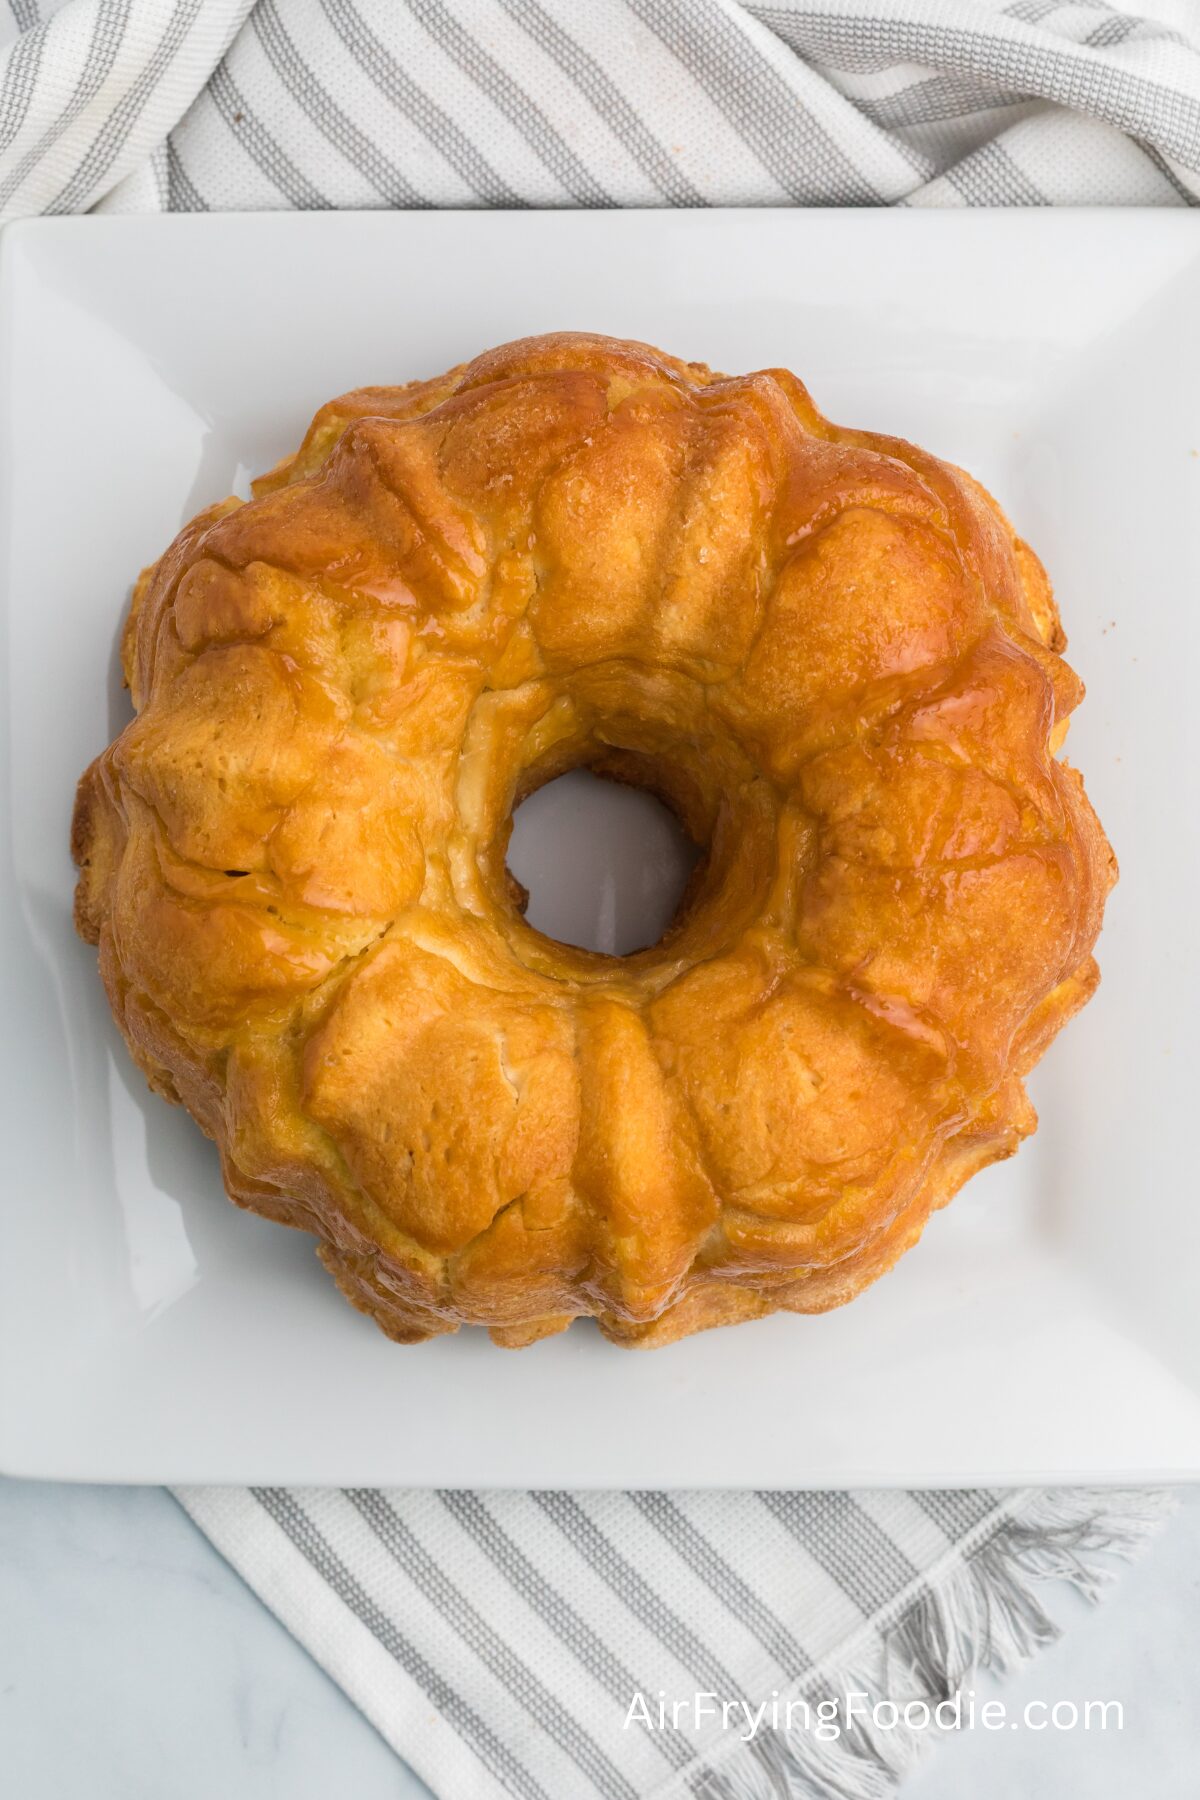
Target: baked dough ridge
[825, 649]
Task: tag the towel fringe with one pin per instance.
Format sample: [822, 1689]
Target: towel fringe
[984, 1612]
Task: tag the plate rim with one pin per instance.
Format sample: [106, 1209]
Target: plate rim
[14, 231]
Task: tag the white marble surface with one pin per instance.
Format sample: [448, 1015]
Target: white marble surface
[133, 1663]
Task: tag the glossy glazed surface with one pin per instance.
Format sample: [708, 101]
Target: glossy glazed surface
[827, 649]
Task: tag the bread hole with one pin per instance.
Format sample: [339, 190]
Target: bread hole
[605, 864]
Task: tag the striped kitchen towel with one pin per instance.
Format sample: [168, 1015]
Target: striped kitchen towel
[652, 1646]
[184, 105]
[605, 1646]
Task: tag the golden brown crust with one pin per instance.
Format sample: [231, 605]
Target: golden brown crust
[826, 649]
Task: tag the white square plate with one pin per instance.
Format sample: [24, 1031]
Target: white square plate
[1047, 1327]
